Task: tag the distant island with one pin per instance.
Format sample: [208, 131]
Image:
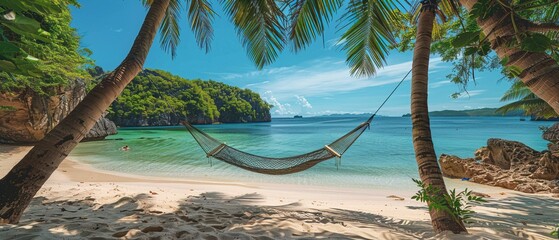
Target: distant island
[481, 112]
[347, 115]
[159, 98]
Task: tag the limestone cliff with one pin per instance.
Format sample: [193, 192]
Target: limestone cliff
[25, 116]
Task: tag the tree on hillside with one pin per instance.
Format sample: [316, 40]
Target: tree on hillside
[39, 49]
[14, 26]
[258, 23]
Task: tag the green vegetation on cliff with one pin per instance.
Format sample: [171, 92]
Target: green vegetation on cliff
[141, 104]
[39, 48]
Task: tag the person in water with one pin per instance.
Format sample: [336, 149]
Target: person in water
[125, 148]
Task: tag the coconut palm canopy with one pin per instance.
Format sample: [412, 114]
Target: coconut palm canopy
[266, 27]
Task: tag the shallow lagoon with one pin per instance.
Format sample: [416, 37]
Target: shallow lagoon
[381, 158]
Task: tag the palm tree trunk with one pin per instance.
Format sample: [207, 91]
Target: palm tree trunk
[22, 183]
[429, 170]
[538, 70]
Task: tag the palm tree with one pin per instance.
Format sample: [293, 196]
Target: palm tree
[26, 178]
[429, 170]
[258, 23]
[526, 101]
[366, 41]
[503, 28]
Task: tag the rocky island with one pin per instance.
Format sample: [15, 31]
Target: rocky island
[158, 98]
[511, 165]
[26, 116]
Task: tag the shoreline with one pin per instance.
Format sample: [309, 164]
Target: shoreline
[375, 213]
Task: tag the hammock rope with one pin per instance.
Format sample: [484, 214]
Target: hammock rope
[285, 165]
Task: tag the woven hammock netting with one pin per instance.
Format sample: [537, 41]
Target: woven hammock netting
[270, 165]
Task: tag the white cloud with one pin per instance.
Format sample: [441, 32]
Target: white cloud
[118, 30]
[303, 102]
[320, 77]
[332, 77]
[470, 94]
[439, 84]
[255, 84]
[279, 108]
[252, 74]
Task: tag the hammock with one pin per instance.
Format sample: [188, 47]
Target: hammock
[279, 166]
[275, 166]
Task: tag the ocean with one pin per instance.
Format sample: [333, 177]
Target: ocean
[382, 158]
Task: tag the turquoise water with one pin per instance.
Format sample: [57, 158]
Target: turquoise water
[382, 158]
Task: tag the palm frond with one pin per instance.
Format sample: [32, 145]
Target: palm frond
[450, 8]
[516, 91]
[201, 15]
[170, 30]
[368, 35]
[526, 101]
[534, 106]
[147, 3]
[307, 19]
[259, 25]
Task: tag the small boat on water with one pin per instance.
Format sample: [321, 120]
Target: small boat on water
[522, 119]
[297, 116]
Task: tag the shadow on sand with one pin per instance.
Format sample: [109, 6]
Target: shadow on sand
[213, 215]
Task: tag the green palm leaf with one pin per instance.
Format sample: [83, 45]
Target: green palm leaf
[525, 100]
[532, 106]
[170, 30]
[259, 25]
[369, 36]
[200, 15]
[307, 19]
[516, 91]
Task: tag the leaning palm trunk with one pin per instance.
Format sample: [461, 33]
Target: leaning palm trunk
[538, 70]
[425, 156]
[22, 183]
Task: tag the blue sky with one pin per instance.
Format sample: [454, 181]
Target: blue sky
[315, 81]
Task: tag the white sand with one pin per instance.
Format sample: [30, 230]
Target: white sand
[80, 202]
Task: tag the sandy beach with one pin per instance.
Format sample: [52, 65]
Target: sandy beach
[80, 202]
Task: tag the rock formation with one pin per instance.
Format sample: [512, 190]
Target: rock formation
[102, 129]
[26, 116]
[508, 164]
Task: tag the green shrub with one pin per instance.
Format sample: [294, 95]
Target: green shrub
[457, 204]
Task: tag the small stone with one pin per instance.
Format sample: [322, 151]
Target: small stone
[396, 197]
[152, 229]
[120, 234]
[478, 194]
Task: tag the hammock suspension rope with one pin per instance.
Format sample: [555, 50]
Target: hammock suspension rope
[285, 165]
